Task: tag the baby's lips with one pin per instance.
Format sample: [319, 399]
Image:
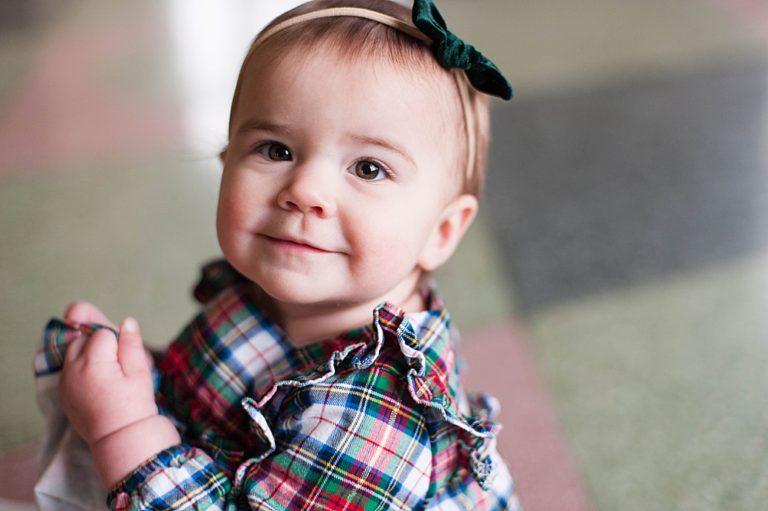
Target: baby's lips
[299, 242]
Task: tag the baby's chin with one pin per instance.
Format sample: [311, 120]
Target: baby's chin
[287, 292]
[281, 297]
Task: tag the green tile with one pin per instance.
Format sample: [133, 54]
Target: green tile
[661, 389]
[472, 283]
[128, 238]
[17, 52]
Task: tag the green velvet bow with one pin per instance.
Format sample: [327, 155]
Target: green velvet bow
[452, 52]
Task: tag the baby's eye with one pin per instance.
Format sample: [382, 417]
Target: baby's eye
[275, 151]
[369, 170]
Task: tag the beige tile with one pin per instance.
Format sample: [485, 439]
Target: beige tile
[554, 45]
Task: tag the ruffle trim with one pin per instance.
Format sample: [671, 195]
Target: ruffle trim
[480, 430]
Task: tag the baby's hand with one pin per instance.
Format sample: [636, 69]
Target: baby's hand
[87, 313]
[106, 383]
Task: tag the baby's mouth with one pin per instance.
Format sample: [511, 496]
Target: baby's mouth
[294, 244]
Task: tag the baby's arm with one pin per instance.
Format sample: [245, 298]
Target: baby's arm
[106, 392]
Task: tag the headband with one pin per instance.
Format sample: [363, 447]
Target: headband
[450, 51]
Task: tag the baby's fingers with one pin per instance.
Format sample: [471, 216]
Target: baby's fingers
[84, 312]
[74, 349]
[130, 349]
[100, 347]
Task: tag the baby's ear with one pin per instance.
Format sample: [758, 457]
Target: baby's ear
[446, 235]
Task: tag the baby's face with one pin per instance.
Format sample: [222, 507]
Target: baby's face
[336, 178]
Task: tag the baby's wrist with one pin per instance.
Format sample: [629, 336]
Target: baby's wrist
[121, 452]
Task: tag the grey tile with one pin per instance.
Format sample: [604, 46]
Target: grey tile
[27, 15]
[597, 190]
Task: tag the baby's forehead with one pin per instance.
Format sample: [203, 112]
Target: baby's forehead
[419, 69]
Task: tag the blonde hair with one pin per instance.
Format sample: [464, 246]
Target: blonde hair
[356, 37]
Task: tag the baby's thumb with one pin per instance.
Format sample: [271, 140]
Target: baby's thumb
[130, 348]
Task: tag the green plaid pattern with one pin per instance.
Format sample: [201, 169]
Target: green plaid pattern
[372, 419]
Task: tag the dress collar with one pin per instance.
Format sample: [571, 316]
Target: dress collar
[418, 329]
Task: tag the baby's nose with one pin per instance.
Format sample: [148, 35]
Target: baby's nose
[310, 190]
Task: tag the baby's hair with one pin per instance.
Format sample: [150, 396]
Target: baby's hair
[355, 37]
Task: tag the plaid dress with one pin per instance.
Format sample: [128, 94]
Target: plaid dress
[372, 419]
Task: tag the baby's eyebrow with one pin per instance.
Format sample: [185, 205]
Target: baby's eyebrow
[385, 144]
[261, 125]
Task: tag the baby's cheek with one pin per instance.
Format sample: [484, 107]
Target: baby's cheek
[389, 256]
[236, 204]
[229, 221]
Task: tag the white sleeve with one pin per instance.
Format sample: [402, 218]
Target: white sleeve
[68, 480]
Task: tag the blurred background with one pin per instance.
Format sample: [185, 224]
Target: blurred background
[614, 291]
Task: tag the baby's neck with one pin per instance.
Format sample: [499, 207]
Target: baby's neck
[306, 324]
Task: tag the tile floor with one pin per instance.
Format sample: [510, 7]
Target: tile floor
[620, 264]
